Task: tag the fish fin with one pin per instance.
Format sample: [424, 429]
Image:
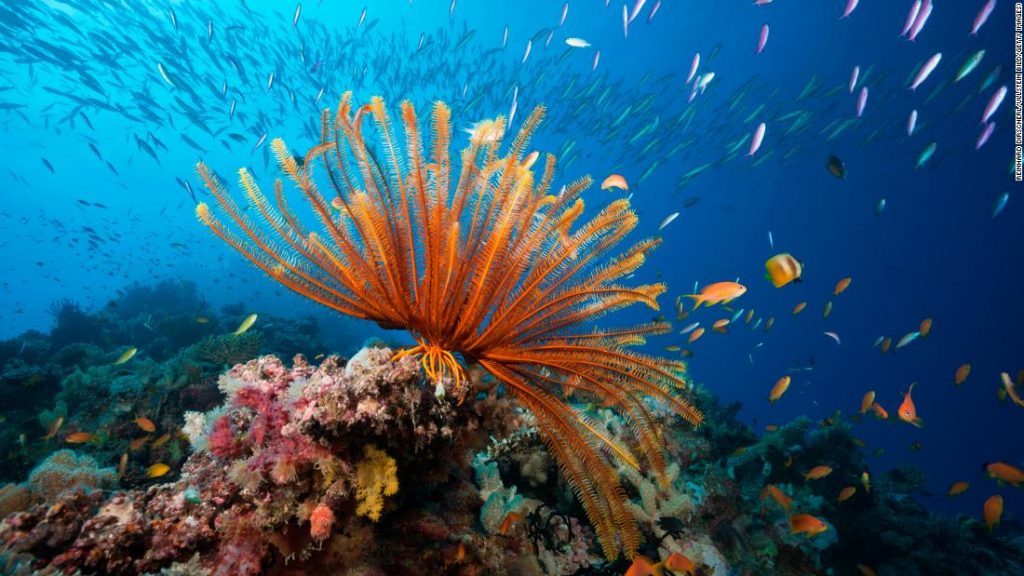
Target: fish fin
[798, 280]
[918, 422]
[697, 300]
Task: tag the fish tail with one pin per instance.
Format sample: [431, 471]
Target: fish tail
[697, 299]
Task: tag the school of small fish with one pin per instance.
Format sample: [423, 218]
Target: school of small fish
[196, 79]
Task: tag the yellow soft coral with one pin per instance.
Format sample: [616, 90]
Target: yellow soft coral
[375, 479]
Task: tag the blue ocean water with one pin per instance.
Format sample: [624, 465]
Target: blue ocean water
[936, 251]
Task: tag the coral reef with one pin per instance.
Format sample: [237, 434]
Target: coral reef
[70, 374]
[363, 467]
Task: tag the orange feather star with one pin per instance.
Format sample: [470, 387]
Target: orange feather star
[493, 269]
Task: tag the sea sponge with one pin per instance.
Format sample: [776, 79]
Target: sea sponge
[375, 479]
[65, 470]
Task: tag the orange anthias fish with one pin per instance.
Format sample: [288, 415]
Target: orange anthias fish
[615, 181]
[865, 481]
[925, 328]
[679, 563]
[779, 389]
[958, 488]
[867, 401]
[961, 374]
[846, 493]
[78, 438]
[907, 412]
[695, 335]
[842, 285]
[717, 293]
[1004, 472]
[993, 511]
[880, 412]
[162, 440]
[799, 308]
[806, 524]
[720, 326]
[777, 495]
[642, 566]
[145, 424]
[818, 472]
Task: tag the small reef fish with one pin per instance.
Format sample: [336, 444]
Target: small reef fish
[762, 39]
[1000, 204]
[697, 333]
[1008, 473]
[577, 42]
[145, 424]
[907, 411]
[777, 495]
[841, 286]
[827, 311]
[961, 374]
[926, 70]
[886, 345]
[799, 308]
[927, 154]
[779, 389]
[138, 443]
[865, 481]
[854, 76]
[834, 336]
[994, 103]
[957, 488]
[915, 9]
[992, 511]
[846, 493]
[818, 472]
[163, 439]
[926, 327]
[615, 181]
[717, 293]
[245, 325]
[668, 220]
[908, 338]
[862, 101]
[690, 328]
[836, 167]
[982, 16]
[54, 428]
[880, 412]
[1011, 389]
[125, 356]
[720, 326]
[782, 269]
[755, 143]
[969, 65]
[806, 524]
[851, 5]
[78, 438]
[157, 470]
[867, 401]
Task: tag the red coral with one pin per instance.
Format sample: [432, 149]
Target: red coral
[222, 441]
[321, 521]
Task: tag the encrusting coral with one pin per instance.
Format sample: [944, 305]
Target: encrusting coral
[489, 265]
